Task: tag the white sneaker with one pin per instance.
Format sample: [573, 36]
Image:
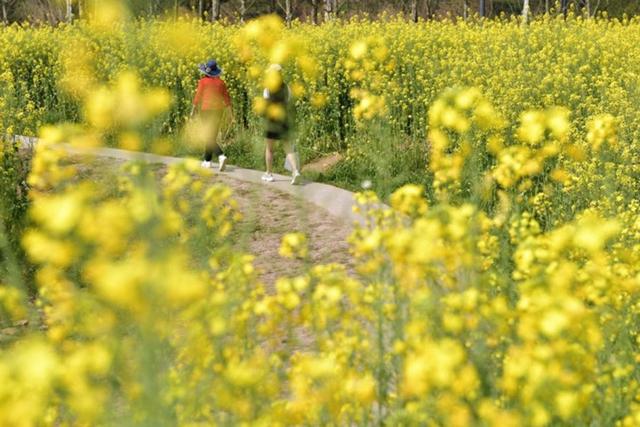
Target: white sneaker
[295, 178]
[222, 160]
[267, 177]
[206, 164]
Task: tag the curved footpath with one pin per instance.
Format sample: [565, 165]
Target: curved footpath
[336, 201]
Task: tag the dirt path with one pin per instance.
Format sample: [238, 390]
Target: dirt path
[268, 214]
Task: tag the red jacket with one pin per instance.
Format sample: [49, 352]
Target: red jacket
[211, 94]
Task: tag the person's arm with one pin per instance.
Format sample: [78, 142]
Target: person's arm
[197, 99]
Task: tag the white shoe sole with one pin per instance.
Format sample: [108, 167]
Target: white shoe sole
[295, 180]
[223, 165]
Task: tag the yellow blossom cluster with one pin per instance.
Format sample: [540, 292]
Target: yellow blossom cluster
[389, 69]
[460, 311]
[506, 294]
[458, 121]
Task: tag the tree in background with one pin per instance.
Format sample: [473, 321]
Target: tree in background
[215, 10]
[316, 11]
[7, 5]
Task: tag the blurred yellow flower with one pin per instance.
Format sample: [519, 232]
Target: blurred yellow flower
[294, 245]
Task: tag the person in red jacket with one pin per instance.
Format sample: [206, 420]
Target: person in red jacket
[213, 103]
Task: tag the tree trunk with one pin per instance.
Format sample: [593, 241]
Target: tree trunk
[525, 11]
[432, 6]
[69, 13]
[564, 6]
[215, 10]
[465, 10]
[200, 8]
[273, 8]
[243, 10]
[328, 10]
[414, 10]
[482, 8]
[287, 12]
[5, 18]
[314, 11]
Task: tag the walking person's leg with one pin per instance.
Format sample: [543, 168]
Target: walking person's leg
[268, 159]
[293, 161]
[209, 141]
[212, 148]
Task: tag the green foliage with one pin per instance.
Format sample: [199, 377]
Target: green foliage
[14, 202]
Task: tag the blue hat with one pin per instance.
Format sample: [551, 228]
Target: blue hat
[210, 69]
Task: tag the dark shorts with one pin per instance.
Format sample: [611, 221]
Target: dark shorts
[275, 135]
[276, 130]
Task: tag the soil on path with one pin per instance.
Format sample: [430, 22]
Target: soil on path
[267, 215]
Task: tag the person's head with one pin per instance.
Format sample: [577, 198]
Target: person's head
[273, 77]
[210, 69]
[277, 68]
